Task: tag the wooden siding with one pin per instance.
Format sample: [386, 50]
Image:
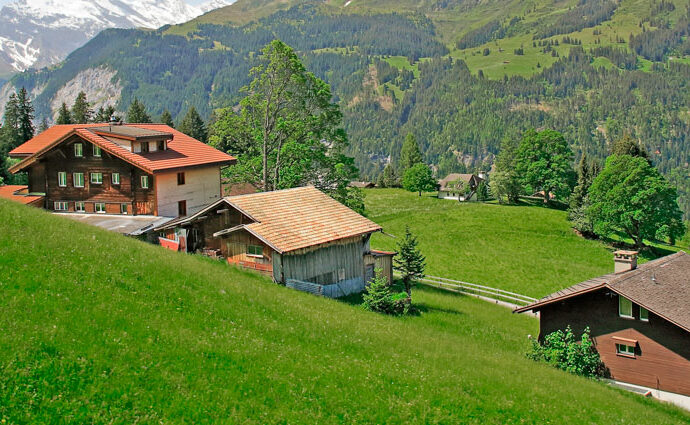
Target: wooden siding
[662, 353]
[234, 247]
[326, 265]
[62, 158]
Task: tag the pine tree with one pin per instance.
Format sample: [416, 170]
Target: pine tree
[409, 261]
[137, 113]
[10, 129]
[410, 154]
[64, 115]
[104, 114]
[166, 118]
[25, 116]
[193, 126]
[43, 126]
[389, 177]
[626, 145]
[81, 114]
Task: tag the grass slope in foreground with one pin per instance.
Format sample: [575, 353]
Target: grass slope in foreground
[530, 250]
[98, 328]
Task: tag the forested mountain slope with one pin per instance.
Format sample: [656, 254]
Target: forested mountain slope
[459, 75]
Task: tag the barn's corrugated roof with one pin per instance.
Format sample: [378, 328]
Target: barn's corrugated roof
[183, 151]
[292, 219]
[661, 286]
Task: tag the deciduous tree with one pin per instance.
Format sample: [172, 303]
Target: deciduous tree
[544, 163]
[419, 179]
[505, 184]
[632, 196]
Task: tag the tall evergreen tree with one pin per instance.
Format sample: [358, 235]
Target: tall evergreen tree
[504, 183]
[104, 114]
[166, 118]
[193, 125]
[409, 154]
[626, 145]
[64, 115]
[81, 113]
[409, 261]
[43, 126]
[137, 113]
[25, 111]
[11, 137]
[389, 177]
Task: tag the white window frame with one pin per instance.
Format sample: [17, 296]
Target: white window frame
[95, 207]
[249, 254]
[96, 151]
[74, 179]
[62, 178]
[621, 301]
[646, 314]
[144, 180]
[79, 150]
[97, 181]
[78, 204]
[60, 206]
[115, 178]
[625, 350]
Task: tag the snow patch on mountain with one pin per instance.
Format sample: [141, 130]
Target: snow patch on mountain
[36, 33]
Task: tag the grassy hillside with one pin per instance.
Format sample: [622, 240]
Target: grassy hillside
[101, 329]
[525, 249]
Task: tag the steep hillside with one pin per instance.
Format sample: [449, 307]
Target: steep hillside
[96, 328]
[461, 76]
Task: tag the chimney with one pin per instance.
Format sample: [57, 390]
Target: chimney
[625, 261]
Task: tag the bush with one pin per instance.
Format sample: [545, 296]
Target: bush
[379, 297]
[563, 351]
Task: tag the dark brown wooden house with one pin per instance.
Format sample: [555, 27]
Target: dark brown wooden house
[639, 318]
[301, 237]
[123, 169]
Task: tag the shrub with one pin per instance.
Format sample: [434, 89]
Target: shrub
[563, 351]
[380, 298]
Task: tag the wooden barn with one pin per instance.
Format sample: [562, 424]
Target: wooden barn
[301, 237]
[639, 319]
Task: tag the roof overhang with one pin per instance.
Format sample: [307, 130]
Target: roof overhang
[249, 230]
[536, 306]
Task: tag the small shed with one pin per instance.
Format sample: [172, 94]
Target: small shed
[379, 260]
[300, 237]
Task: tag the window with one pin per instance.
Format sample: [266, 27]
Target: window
[60, 206]
[123, 208]
[625, 350]
[79, 207]
[96, 151]
[99, 207]
[182, 208]
[144, 182]
[78, 179]
[97, 178]
[644, 314]
[116, 178]
[62, 178]
[624, 307]
[255, 250]
[144, 146]
[161, 145]
[180, 179]
[78, 150]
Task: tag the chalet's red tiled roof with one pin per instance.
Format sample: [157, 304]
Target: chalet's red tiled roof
[183, 151]
[661, 286]
[291, 219]
[19, 194]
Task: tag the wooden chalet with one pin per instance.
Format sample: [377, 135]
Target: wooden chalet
[459, 187]
[301, 237]
[639, 319]
[123, 169]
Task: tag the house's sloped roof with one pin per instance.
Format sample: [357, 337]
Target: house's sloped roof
[19, 194]
[661, 286]
[298, 218]
[454, 177]
[183, 151]
[291, 219]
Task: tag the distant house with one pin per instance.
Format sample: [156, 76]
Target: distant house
[301, 237]
[639, 318]
[121, 169]
[459, 187]
[363, 185]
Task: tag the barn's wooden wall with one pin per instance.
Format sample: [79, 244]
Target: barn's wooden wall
[662, 357]
[324, 265]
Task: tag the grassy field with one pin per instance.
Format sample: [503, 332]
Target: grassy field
[97, 328]
[525, 249]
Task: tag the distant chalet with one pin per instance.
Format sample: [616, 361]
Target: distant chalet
[639, 319]
[301, 237]
[459, 187]
[123, 169]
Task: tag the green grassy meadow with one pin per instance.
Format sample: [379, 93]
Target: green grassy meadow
[531, 250]
[98, 328]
